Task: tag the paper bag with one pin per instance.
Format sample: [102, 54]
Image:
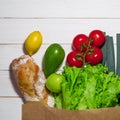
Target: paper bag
[39, 111]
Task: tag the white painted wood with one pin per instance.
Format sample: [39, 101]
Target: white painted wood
[60, 8]
[54, 30]
[8, 85]
[10, 109]
[10, 52]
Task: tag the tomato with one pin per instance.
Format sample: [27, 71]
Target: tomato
[74, 58]
[94, 56]
[98, 38]
[53, 82]
[80, 42]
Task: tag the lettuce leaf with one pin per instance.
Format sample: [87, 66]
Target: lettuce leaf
[88, 88]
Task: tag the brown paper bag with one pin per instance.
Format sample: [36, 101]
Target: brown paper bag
[39, 111]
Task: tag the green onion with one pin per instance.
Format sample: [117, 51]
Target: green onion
[118, 55]
[104, 50]
[110, 58]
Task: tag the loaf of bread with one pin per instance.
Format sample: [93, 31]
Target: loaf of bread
[30, 80]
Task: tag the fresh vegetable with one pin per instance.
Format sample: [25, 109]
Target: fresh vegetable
[94, 56]
[108, 54]
[33, 42]
[54, 81]
[53, 58]
[88, 87]
[86, 49]
[98, 38]
[104, 51]
[74, 58]
[118, 55]
[110, 57]
[80, 42]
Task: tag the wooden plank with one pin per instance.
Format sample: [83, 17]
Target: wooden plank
[60, 8]
[10, 52]
[8, 85]
[10, 109]
[54, 30]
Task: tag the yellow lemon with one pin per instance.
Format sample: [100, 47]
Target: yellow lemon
[33, 42]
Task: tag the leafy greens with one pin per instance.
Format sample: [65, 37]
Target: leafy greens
[88, 88]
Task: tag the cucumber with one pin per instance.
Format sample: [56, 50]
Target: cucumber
[110, 57]
[118, 55]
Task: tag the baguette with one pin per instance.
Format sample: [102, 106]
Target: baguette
[30, 80]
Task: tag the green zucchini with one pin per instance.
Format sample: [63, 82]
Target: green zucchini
[118, 55]
[110, 57]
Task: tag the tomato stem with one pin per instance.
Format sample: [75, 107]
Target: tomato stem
[85, 53]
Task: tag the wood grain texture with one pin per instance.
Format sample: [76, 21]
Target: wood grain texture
[53, 30]
[10, 108]
[61, 8]
[15, 51]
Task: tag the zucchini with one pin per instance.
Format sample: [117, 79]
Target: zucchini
[110, 57]
[118, 55]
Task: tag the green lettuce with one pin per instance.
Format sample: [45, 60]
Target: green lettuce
[88, 87]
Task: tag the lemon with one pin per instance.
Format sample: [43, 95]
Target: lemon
[33, 42]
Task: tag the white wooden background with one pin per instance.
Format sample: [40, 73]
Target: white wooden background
[58, 21]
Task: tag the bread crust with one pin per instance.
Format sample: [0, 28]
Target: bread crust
[30, 80]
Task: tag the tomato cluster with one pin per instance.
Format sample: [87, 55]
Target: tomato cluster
[86, 49]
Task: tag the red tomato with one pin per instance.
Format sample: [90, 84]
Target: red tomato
[98, 38]
[74, 58]
[94, 56]
[80, 42]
